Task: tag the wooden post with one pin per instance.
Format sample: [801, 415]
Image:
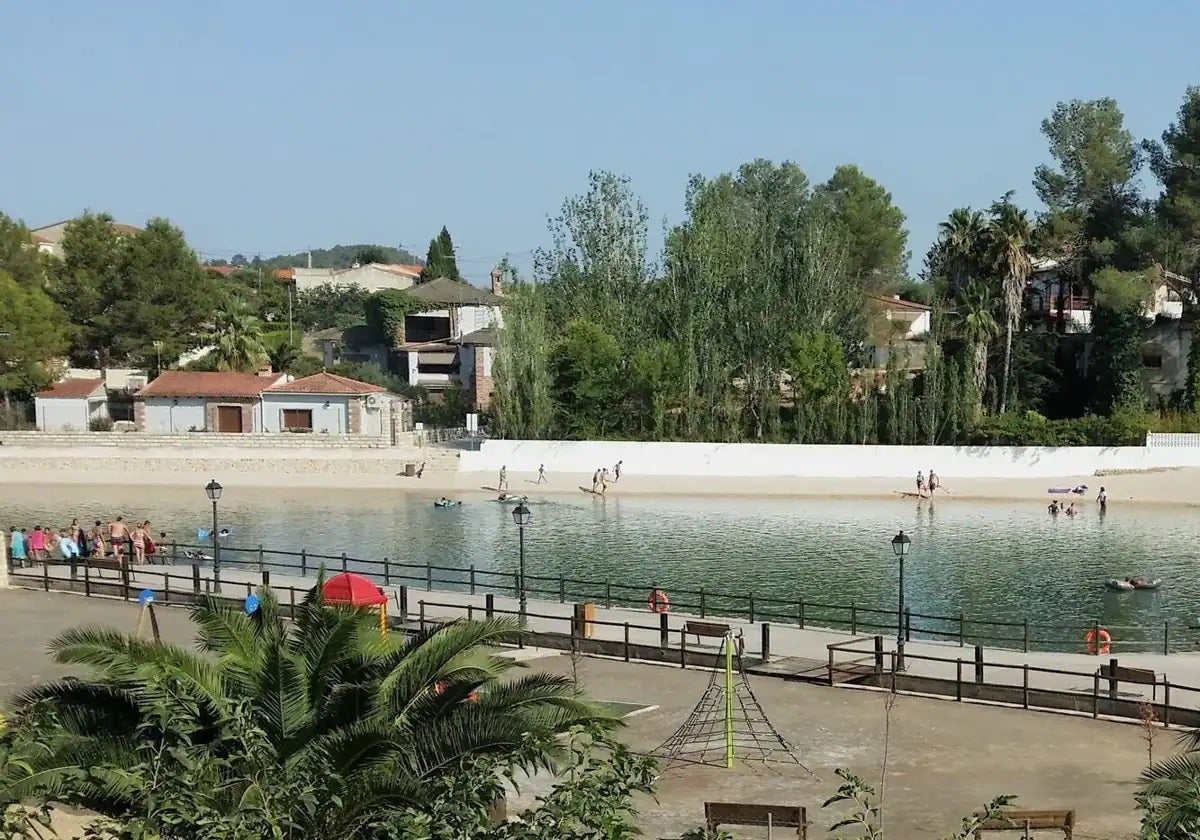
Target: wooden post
[1096, 695]
[421, 606]
[87, 579]
[471, 579]
[428, 577]
[1025, 685]
[402, 598]
[261, 558]
[962, 630]
[978, 664]
[607, 594]
[387, 572]
[800, 614]
[489, 605]
[1166, 638]
[878, 656]
[1166, 701]
[908, 625]
[125, 575]
[702, 602]
[682, 650]
[46, 576]
[766, 641]
[853, 620]
[1027, 635]
[345, 562]
[303, 562]
[626, 641]
[1112, 678]
[562, 590]
[958, 680]
[166, 587]
[266, 578]
[751, 607]
[196, 578]
[664, 632]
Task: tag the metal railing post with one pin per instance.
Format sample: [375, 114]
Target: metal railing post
[664, 631]
[196, 578]
[304, 562]
[766, 641]
[262, 560]
[387, 571]
[345, 562]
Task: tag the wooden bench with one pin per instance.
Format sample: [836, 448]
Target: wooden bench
[707, 629]
[104, 563]
[717, 814]
[1015, 820]
[1116, 674]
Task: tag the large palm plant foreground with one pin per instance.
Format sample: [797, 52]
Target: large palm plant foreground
[315, 728]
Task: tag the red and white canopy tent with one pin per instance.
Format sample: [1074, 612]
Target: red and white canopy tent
[351, 590]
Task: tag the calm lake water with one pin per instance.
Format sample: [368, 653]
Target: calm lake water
[987, 561]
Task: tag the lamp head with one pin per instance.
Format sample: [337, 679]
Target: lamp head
[213, 489]
[521, 515]
[900, 544]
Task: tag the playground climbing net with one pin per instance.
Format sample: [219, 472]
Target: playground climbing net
[728, 724]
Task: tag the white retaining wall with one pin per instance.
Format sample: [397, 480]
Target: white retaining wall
[761, 460]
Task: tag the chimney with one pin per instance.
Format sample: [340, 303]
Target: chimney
[497, 282]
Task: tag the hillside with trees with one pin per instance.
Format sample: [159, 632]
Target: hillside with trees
[339, 256]
[754, 321]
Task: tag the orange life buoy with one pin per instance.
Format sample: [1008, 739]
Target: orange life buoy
[658, 601]
[1098, 644]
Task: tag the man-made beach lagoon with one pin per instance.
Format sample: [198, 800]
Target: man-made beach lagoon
[995, 561]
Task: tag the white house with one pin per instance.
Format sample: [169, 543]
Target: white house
[72, 405]
[48, 238]
[180, 401]
[328, 404]
[372, 277]
[896, 329]
[1053, 297]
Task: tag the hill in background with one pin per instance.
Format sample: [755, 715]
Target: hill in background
[339, 256]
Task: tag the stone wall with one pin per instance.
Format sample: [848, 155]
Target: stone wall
[141, 442]
[481, 385]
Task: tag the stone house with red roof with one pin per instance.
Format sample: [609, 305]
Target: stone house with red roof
[181, 401]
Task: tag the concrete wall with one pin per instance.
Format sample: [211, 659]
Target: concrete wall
[329, 414]
[783, 460]
[166, 416]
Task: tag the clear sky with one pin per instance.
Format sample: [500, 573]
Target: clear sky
[262, 126]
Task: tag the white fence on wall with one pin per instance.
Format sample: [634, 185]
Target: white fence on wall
[1173, 440]
[801, 461]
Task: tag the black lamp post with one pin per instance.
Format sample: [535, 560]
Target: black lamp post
[900, 544]
[213, 489]
[521, 516]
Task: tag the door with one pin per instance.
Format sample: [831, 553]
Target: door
[229, 419]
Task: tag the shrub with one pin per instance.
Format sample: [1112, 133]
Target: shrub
[1031, 429]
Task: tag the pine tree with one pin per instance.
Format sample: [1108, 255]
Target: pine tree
[440, 260]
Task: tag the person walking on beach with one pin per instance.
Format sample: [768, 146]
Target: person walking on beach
[66, 546]
[118, 532]
[541, 479]
[933, 481]
[920, 483]
[78, 537]
[16, 546]
[596, 481]
[1102, 500]
[617, 471]
[503, 484]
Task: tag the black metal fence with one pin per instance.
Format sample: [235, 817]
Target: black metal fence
[1013, 633]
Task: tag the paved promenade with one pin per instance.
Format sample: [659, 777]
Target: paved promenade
[947, 661]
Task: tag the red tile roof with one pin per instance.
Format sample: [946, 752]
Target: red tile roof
[71, 389]
[897, 303]
[202, 383]
[327, 383]
[226, 270]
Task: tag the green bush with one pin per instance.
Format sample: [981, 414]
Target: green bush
[1032, 429]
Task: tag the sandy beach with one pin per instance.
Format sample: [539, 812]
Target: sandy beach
[1159, 487]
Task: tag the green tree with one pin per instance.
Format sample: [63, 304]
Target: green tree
[339, 256]
[330, 305]
[1095, 156]
[18, 258]
[282, 355]
[818, 374]
[587, 381]
[440, 261]
[33, 334]
[1175, 162]
[523, 405]
[368, 254]
[1117, 324]
[311, 728]
[975, 323]
[874, 226]
[385, 312]
[1010, 234]
[960, 249]
[237, 339]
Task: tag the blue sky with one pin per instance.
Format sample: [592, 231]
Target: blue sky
[263, 126]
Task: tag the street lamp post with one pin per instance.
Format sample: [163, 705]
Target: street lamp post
[213, 489]
[521, 515]
[900, 545]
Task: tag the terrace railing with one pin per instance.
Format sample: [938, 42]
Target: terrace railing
[1016, 633]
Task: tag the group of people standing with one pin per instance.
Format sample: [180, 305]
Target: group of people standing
[600, 478]
[927, 485]
[27, 547]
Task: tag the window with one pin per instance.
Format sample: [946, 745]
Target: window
[1152, 358]
[296, 420]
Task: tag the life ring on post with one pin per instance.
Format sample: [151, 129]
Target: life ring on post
[1098, 641]
[658, 601]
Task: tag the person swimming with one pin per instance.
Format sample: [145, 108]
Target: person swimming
[1053, 508]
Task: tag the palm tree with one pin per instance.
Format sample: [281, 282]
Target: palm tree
[975, 322]
[319, 724]
[282, 355]
[1009, 235]
[1168, 794]
[237, 339]
[962, 240]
